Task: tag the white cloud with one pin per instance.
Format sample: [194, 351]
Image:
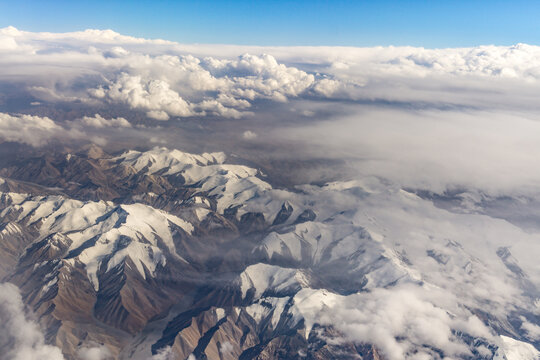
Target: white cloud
[493, 151]
[7, 43]
[165, 354]
[150, 75]
[38, 131]
[156, 84]
[249, 135]
[158, 115]
[94, 353]
[97, 121]
[154, 96]
[533, 330]
[21, 338]
[32, 130]
[226, 348]
[404, 322]
[262, 76]
[217, 108]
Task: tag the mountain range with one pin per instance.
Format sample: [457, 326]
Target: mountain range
[163, 254]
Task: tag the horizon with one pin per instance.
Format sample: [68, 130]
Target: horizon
[298, 23]
[237, 46]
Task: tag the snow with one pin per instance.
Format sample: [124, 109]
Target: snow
[10, 229]
[308, 304]
[263, 277]
[321, 242]
[12, 198]
[152, 223]
[72, 216]
[220, 313]
[134, 222]
[48, 286]
[119, 231]
[516, 350]
[269, 202]
[231, 184]
[160, 158]
[200, 200]
[142, 255]
[201, 213]
[268, 306]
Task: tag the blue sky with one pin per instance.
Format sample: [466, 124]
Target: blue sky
[353, 23]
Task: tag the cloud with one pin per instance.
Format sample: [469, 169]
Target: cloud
[226, 348]
[154, 96]
[32, 130]
[8, 43]
[38, 131]
[150, 75]
[21, 338]
[430, 118]
[404, 322]
[94, 353]
[167, 353]
[262, 76]
[237, 82]
[97, 121]
[249, 135]
[494, 151]
[217, 108]
[532, 330]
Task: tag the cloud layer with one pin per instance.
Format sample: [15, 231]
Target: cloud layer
[436, 119]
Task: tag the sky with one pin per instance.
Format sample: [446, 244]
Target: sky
[431, 24]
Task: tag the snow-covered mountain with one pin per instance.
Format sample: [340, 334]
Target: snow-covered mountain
[167, 254]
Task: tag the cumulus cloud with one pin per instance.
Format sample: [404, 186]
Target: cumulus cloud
[32, 130]
[237, 82]
[20, 337]
[153, 76]
[154, 96]
[262, 76]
